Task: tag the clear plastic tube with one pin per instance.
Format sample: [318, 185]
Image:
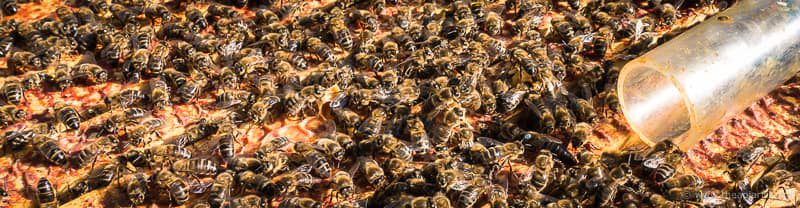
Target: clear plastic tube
[684, 89]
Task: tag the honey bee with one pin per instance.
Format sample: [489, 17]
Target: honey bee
[366, 19]
[299, 202]
[369, 61]
[344, 184]
[10, 114]
[687, 180]
[201, 167]
[563, 116]
[155, 11]
[22, 61]
[89, 73]
[390, 50]
[197, 19]
[297, 60]
[13, 91]
[187, 91]
[233, 99]
[319, 162]
[175, 78]
[249, 201]
[177, 188]
[250, 64]
[771, 180]
[67, 116]
[316, 46]
[372, 172]
[259, 183]
[668, 13]
[46, 193]
[16, 140]
[493, 23]
[340, 32]
[50, 150]
[221, 189]
[157, 60]
[135, 186]
[222, 11]
[330, 147]
[167, 151]
[241, 164]
[201, 129]
[33, 80]
[372, 125]
[90, 152]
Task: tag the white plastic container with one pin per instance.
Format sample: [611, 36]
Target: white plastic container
[686, 88]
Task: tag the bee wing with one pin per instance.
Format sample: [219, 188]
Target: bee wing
[340, 100]
[489, 142]
[460, 185]
[305, 168]
[198, 187]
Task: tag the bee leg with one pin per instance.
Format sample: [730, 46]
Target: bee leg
[94, 160]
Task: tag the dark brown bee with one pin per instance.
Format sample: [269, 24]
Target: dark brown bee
[263, 109]
[159, 94]
[330, 148]
[366, 19]
[34, 80]
[201, 129]
[5, 45]
[61, 78]
[158, 11]
[248, 201]
[177, 188]
[273, 145]
[201, 61]
[18, 139]
[128, 97]
[222, 11]
[137, 134]
[13, 91]
[67, 115]
[340, 32]
[50, 150]
[89, 73]
[168, 151]
[250, 64]
[265, 16]
[316, 46]
[199, 167]
[135, 186]
[371, 171]
[102, 145]
[259, 183]
[372, 125]
[10, 114]
[113, 51]
[221, 189]
[297, 60]
[197, 19]
[175, 78]
[318, 161]
[9, 7]
[187, 91]
[344, 184]
[22, 61]
[46, 193]
[299, 202]
[157, 60]
[493, 24]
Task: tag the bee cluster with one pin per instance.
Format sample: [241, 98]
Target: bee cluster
[429, 103]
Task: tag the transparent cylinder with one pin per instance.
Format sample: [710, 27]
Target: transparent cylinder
[686, 88]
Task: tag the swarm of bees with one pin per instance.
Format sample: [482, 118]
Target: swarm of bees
[460, 103]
